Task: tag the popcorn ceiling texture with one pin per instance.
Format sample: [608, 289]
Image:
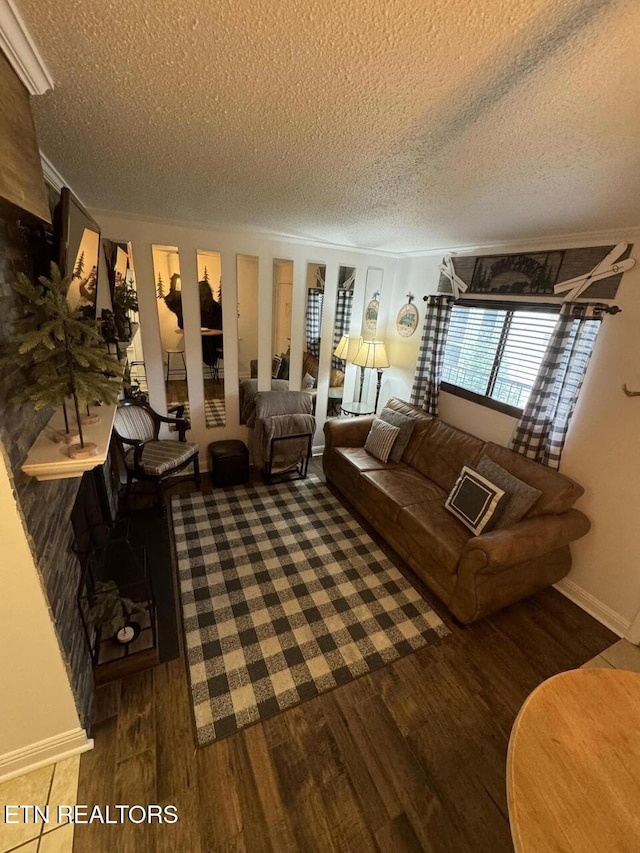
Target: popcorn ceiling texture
[399, 125]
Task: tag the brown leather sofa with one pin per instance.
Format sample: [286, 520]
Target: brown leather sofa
[404, 501]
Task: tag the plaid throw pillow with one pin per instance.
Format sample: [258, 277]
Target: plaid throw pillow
[380, 439]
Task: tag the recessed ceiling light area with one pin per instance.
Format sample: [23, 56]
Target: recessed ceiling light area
[401, 127]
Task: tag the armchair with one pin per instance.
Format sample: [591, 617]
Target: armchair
[147, 457]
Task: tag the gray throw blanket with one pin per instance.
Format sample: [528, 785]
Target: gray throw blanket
[277, 414]
[248, 391]
[289, 452]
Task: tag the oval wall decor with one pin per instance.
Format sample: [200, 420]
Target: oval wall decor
[407, 320]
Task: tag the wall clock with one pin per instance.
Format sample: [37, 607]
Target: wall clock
[407, 319]
[608, 266]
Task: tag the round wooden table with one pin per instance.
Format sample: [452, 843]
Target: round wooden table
[573, 768]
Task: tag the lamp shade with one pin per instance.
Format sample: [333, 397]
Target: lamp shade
[372, 354]
[347, 347]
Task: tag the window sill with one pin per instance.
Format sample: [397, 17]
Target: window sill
[48, 460]
[487, 402]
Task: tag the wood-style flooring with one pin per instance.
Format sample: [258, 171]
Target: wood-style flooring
[408, 758]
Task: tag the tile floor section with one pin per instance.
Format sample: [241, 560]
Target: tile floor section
[53, 785]
[59, 784]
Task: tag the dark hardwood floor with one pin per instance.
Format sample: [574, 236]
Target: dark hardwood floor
[410, 757]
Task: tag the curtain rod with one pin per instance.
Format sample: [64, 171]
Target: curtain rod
[502, 304]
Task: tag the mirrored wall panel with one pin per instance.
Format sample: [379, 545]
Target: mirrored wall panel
[121, 323]
[372, 291]
[342, 348]
[281, 331]
[210, 292]
[247, 272]
[313, 327]
[166, 271]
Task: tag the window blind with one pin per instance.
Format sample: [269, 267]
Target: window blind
[496, 352]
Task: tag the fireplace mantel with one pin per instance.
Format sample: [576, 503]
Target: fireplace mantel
[48, 460]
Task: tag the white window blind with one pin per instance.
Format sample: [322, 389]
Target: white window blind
[496, 352]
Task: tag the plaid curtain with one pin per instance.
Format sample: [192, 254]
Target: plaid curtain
[344, 301]
[426, 382]
[313, 320]
[542, 429]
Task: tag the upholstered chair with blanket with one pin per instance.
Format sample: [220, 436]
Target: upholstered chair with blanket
[283, 434]
[146, 457]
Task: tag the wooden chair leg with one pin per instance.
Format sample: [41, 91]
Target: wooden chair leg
[196, 470]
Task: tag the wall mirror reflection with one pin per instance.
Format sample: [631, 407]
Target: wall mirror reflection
[372, 291]
[247, 274]
[210, 293]
[313, 327]
[77, 244]
[166, 271]
[281, 327]
[121, 323]
[343, 347]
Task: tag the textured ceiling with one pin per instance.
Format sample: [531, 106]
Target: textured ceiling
[380, 123]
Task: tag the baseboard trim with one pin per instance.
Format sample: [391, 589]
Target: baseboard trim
[44, 752]
[612, 620]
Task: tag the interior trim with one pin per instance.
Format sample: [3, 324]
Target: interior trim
[21, 51]
[44, 752]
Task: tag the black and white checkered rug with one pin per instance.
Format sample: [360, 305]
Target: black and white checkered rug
[284, 596]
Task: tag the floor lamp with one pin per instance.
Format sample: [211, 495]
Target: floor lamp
[372, 354]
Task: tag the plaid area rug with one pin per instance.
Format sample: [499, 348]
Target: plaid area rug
[284, 596]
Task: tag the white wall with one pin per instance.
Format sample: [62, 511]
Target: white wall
[602, 451]
[39, 719]
[188, 239]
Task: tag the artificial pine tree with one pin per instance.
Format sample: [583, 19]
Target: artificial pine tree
[160, 287]
[61, 351]
[205, 276]
[79, 268]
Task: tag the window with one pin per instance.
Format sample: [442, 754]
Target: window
[492, 354]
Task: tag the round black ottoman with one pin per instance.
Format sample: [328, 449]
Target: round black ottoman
[228, 462]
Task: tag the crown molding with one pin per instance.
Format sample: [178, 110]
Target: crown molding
[53, 177]
[574, 239]
[281, 236]
[21, 51]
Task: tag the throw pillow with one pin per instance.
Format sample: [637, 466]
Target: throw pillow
[380, 439]
[475, 501]
[308, 381]
[336, 378]
[520, 496]
[405, 425]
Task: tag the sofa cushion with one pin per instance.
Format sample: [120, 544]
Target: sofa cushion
[381, 439]
[405, 425]
[423, 423]
[434, 531]
[475, 501]
[520, 496]
[443, 451]
[352, 460]
[388, 491]
[559, 493]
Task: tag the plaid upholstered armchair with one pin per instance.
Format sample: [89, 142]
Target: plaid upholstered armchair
[147, 457]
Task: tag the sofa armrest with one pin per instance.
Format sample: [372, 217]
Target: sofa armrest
[497, 550]
[347, 432]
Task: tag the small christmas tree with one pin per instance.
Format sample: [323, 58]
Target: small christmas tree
[160, 287]
[79, 268]
[205, 276]
[62, 351]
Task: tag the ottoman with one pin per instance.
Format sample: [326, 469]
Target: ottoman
[228, 462]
